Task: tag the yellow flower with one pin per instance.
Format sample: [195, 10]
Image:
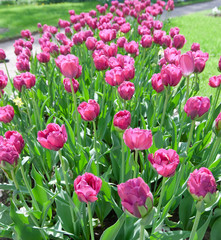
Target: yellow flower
[18, 101]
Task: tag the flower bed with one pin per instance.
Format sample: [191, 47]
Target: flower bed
[104, 135]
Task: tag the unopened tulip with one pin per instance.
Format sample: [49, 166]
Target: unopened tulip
[3, 80]
[218, 125]
[2, 54]
[171, 75]
[179, 41]
[157, 83]
[129, 71]
[43, 57]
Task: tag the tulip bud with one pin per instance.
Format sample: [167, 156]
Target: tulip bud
[217, 127]
[2, 54]
[215, 81]
[122, 119]
[126, 90]
[6, 114]
[157, 83]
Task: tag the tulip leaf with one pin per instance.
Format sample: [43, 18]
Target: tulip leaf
[170, 235]
[111, 232]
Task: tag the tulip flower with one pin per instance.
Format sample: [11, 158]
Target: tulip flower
[16, 139]
[89, 111]
[195, 47]
[186, 64]
[126, 90]
[6, 114]
[3, 80]
[67, 85]
[2, 54]
[157, 83]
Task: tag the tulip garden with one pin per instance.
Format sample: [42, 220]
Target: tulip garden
[103, 133]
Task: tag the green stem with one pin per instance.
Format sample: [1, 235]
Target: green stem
[64, 172]
[28, 187]
[161, 195]
[195, 225]
[90, 220]
[190, 135]
[141, 232]
[95, 139]
[159, 204]
[213, 151]
[26, 103]
[2, 97]
[76, 115]
[135, 160]
[187, 88]
[13, 89]
[122, 159]
[167, 89]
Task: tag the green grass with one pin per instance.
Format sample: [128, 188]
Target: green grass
[190, 2]
[17, 18]
[204, 29]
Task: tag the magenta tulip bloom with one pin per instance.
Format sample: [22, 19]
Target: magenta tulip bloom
[187, 64]
[200, 64]
[3, 80]
[2, 54]
[129, 71]
[67, 85]
[215, 81]
[101, 62]
[165, 162]
[43, 57]
[122, 119]
[196, 106]
[195, 47]
[201, 183]
[8, 152]
[91, 43]
[171, 75]
[146, 41]
[24, 79]
[219, 65]
[16, 139]
[136, 197]
[174, 31]
[126, 90]
[179, 41]
[121, 41]
[157, 83]
[53, 137]
[89, 111]
[114, 76]
[6, 114]
[138, 139]
[87, 187]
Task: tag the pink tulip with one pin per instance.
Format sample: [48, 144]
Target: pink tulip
[114, 76]
[107, 35]
[126, 90]
[89, 111]
[174, 31]
[201, 183]
[2, 54]
[171, 55]
[87, 187]
[129, 71]
[179, 41]
[67, 85]
[91, 43]
[138, 139]
[136, 197]
[6, 114]
[53, 137]
[125, 28]
[132, 48]
[16, 139]
[146, 41]
[121, 41]
[199, 64]
[122, 119]
[101, 62]
[24, 79]
[219, 65]
[215, 81]
[171, 75]
[43, 57]
[157, 83]
[3, 80]
[165, 162]
[8, 153]
[197, 106]
[195, 47]
[166, 41]
[22, 65]
[26, 33]
[110, 51]
[186, 64]
[170, 5]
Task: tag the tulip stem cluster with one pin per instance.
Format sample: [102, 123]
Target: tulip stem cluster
[187, 88]
[141, 232]
[195, 225]
[90, 220]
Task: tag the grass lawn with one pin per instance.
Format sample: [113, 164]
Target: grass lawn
[17, 18]
[189, 2]
[204, 29]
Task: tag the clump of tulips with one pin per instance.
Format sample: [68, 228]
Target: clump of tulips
[105, 124]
